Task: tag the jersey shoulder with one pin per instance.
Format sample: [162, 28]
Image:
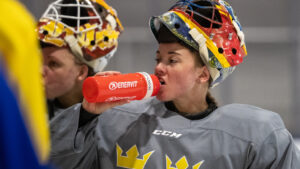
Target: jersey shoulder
[245, 121]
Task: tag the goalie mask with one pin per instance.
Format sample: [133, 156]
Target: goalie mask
[89, 28]
[210, 27]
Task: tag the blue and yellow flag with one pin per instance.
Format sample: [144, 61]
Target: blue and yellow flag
[24, 132]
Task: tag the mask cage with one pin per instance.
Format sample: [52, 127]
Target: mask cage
[55, 13]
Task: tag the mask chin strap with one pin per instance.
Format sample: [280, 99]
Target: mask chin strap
[97, 64]
[200, 39]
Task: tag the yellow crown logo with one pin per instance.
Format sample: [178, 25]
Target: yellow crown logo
[182, 163]
[131, 160]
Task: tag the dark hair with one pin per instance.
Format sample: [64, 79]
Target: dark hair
[164, 35]
[44, 45]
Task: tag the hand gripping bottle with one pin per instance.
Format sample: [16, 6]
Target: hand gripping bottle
[132, 86]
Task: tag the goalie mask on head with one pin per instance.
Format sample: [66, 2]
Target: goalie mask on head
[89, 28]
[210, 27]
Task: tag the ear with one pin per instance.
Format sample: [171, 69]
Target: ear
[83, 72]
[204, 75]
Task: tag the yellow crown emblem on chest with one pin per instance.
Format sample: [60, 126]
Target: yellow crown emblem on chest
[131, 160]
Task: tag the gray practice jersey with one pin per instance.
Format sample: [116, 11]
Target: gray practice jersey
[145, 134]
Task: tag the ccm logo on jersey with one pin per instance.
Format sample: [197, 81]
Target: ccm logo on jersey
[166, 133]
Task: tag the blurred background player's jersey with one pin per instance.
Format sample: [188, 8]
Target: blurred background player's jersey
[24, 134]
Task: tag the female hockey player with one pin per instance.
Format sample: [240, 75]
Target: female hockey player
[78, 37]
[200, 44]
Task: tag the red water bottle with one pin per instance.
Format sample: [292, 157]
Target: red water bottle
[132, 86]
